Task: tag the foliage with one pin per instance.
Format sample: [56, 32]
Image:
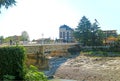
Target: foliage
[14, 39]
[7, 39]
[87, 33]
[82, 31]
[74, 49]
[100, 53]
[34, 75]
[7, 3]
[12, 62]
[25, 36]
[8, 78]
[115, 47]
[96, 35]
[1, 39]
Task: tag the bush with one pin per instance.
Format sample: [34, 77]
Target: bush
[34, 75]
[8, 78]
[12, 62]
[74, 49]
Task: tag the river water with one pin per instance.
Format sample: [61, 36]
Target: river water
[54, 64]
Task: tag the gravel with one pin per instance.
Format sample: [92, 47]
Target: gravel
[85, 68]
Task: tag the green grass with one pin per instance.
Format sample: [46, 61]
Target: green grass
[101, 54]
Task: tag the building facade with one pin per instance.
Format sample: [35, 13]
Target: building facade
[66, 33]
[110, 36]
[109, 33]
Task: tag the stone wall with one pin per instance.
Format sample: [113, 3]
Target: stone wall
[47, 48]
[54, 50]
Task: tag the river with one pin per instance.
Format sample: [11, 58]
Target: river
[54, 64]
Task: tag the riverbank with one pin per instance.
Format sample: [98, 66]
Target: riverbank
[86, 68]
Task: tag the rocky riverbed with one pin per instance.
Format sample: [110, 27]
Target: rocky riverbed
[85, 68]
[54, 64]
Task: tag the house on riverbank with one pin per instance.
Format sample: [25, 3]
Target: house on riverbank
[66, 33]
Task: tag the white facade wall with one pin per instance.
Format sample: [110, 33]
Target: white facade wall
[66, 34]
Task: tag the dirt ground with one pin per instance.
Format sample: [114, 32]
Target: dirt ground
[86, 68]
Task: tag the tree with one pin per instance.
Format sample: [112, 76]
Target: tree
[83, 30]
[87, 33]
[7, 3]
[25, 36]
[97, 35]
[7, 39]
[1, 39]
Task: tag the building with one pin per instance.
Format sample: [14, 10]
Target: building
[66, 33]
[111, 40]
[110, 36]
[109, 33]
[43, 41]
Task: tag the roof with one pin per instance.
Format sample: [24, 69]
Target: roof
[66, 27]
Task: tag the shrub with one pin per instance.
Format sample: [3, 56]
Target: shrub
[74, 49]
[8, 78]
[12, 62]
[34, 75]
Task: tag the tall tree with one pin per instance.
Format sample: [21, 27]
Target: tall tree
[25, 36]
[87, 33]
[1, 39]
[7, 3]
[83, 30]
[96, 34]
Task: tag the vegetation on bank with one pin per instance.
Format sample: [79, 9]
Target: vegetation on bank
[12, 62]
[33, 73]
[12, 65]
[88, 34]
[103, 51]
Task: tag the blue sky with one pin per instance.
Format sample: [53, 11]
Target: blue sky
[39, 17]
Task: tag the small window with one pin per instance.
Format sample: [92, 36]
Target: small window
[60, 34]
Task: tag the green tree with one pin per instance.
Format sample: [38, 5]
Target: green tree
[118, 37]
[87, 33]
[7, 39]
[83, 31]
[14, 39]
[1, 39]
[25, 36]
[7, 3]
[96, 35]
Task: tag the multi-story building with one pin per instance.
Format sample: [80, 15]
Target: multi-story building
[66, 33]
[109, 33]
[110, 36]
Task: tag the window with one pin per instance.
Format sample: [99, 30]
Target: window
[60, 34]
[67, 35]
[64, 35]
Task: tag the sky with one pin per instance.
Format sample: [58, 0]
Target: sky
[42, 18]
